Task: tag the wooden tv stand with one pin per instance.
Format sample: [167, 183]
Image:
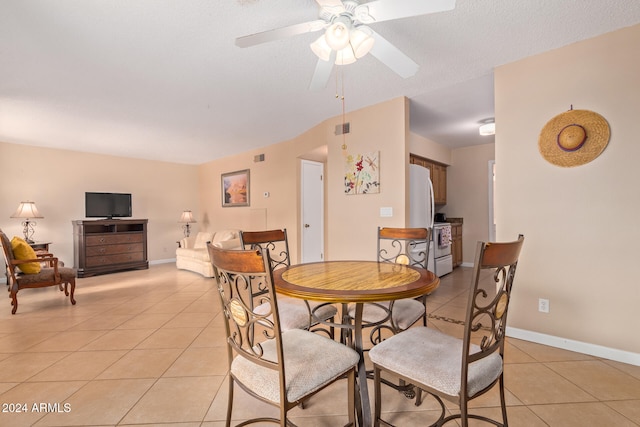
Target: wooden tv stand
[109, 245]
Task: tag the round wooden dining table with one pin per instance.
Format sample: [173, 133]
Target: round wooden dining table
[355, 282]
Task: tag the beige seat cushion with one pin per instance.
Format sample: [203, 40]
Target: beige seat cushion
[201, 240]
[434, 359]
[311, 362]
[406, 312]
[47, 275]
[201, 254]
[224, 235]
[294, 313]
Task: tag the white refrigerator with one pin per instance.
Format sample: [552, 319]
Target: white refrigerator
[421, 204]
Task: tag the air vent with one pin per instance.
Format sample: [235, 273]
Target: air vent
[343, 128]
[258, 158]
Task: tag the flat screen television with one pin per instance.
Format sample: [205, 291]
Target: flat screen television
[107, 205]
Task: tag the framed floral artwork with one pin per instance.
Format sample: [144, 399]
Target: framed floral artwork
[362, 173]
[235, 188]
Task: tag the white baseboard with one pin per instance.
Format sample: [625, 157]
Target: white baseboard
[577, 346]
[162, 261]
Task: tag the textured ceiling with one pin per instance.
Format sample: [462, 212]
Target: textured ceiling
[164, 80]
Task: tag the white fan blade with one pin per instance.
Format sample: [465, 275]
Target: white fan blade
[386, 10]
[393, 57]
[280, 33]
[334, 6]
[322, 73]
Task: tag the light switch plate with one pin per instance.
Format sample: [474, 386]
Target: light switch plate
[386, 212]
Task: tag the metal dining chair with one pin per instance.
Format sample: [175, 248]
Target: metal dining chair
[294, 313]
[408, 246]
[453, 368]
[277, 366]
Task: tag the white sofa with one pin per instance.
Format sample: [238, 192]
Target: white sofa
[193, 254]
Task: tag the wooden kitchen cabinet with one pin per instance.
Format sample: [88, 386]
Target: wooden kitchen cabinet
[438, 174]
[456, 243]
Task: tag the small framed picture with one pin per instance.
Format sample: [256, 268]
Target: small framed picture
[235, 188]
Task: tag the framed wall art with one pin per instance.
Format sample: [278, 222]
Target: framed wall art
[235, 188]
[362, 173]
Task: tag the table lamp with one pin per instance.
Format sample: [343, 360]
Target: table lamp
[187, 218]
[27, 210]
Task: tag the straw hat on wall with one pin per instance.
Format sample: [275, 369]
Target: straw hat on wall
[574, 138]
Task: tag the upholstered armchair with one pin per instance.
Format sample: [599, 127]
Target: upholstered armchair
[26, 269]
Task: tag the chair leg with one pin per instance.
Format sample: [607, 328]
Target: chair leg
[464, 414]
[332, 329]
[418, 396]
[72, 284]
[229, 402]
[14, 301]
[503, 403]
[351, 407]
[378, 397]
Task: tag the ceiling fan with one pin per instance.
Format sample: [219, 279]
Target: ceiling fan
[348, 37]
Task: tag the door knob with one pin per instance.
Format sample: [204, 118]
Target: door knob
[306, 226]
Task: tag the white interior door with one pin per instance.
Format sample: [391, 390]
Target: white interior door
[312, 205]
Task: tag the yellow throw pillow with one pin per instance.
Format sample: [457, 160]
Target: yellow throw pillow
[22, 250]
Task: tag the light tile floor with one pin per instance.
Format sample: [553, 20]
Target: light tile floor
[147, 348]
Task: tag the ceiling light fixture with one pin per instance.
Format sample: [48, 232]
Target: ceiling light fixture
[487, 127]
[350, 43]
[345, 56]
[321, 48]
[361, 40]
[338, 33]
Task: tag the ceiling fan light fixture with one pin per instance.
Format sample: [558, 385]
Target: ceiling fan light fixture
[345, 56]
[361, 40]
[487, 127]
[321, 48]
[337, 35]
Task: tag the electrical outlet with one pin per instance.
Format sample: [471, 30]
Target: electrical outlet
[543, 305]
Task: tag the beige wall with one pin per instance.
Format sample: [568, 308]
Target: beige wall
[468, 194]
[581, 223]
[429, 149]
[351, 220]
[56, 181]
[278, 175]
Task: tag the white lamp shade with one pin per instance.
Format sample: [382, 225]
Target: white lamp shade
[187, 217]
[361, 41]
[321, 48]
[337, 35]
[345, 56]
[27, 210]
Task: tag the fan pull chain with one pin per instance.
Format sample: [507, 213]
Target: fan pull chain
[341, 97]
